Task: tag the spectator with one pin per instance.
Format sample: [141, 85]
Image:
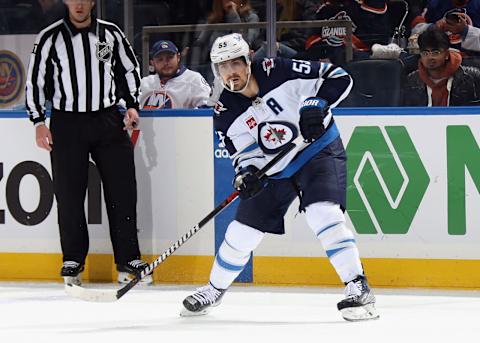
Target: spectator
[436, 12]
[224, 11]
[369, 25]
[172, 85]
[460, 26]
[290, 41]
[440, 79]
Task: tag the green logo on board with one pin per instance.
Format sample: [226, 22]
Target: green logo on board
[386, 180]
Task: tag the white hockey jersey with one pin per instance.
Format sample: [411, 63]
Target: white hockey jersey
[255, 130]
[188, 89]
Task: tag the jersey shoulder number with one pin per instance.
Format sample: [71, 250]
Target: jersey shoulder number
[302, 67]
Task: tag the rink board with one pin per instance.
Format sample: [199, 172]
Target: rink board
[413, 202]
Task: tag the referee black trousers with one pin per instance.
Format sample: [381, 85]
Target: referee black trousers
[76, 137]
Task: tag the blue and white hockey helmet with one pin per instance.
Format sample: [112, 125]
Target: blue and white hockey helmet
[227, 48]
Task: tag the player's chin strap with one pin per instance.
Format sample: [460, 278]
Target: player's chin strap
[98, 295]
[231, 87]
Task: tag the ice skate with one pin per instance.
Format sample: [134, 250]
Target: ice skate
[71, 272]
[359, 302]
[126, 272]
[202, 301]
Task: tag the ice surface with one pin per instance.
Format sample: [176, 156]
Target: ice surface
[42, 312]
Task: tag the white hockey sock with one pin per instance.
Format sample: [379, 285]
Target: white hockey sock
[234, 253]
[328, 223]
[346, 261]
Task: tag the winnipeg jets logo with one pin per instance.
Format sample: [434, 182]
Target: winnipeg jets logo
[218, 108]
[268, 64]
[275, 135]
[104, 51]
[272, 136]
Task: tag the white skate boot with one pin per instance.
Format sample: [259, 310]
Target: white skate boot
[202, 301]
[359, 302]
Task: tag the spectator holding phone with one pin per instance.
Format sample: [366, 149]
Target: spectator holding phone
[455, 17]
[460, 28]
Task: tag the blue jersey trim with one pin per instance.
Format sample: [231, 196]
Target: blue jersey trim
[250, 148]
[308, 153]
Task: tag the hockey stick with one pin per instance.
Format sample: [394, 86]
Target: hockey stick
[98, 295]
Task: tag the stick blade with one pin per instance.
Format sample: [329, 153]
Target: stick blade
[88, 294]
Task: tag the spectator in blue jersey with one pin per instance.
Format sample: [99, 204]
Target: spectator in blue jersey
[263, 108]
[441, 80]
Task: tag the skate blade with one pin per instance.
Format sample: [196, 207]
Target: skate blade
[360, 313]
[186, 313]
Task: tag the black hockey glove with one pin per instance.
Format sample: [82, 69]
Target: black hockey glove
[312, 113]
[248, 183]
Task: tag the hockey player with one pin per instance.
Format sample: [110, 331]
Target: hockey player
[263, 108]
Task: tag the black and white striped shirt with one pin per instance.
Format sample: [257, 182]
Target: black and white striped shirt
[77, 69]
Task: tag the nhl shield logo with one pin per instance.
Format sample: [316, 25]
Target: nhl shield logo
[104, 51]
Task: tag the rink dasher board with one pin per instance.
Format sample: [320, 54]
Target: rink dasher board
[175, 192]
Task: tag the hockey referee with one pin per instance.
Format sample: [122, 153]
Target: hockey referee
[77, 64]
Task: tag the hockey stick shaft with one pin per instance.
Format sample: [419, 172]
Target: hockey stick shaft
[224, 204]
[232, 197]
[107, 296]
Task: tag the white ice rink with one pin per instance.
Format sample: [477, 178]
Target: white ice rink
[42, 312]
